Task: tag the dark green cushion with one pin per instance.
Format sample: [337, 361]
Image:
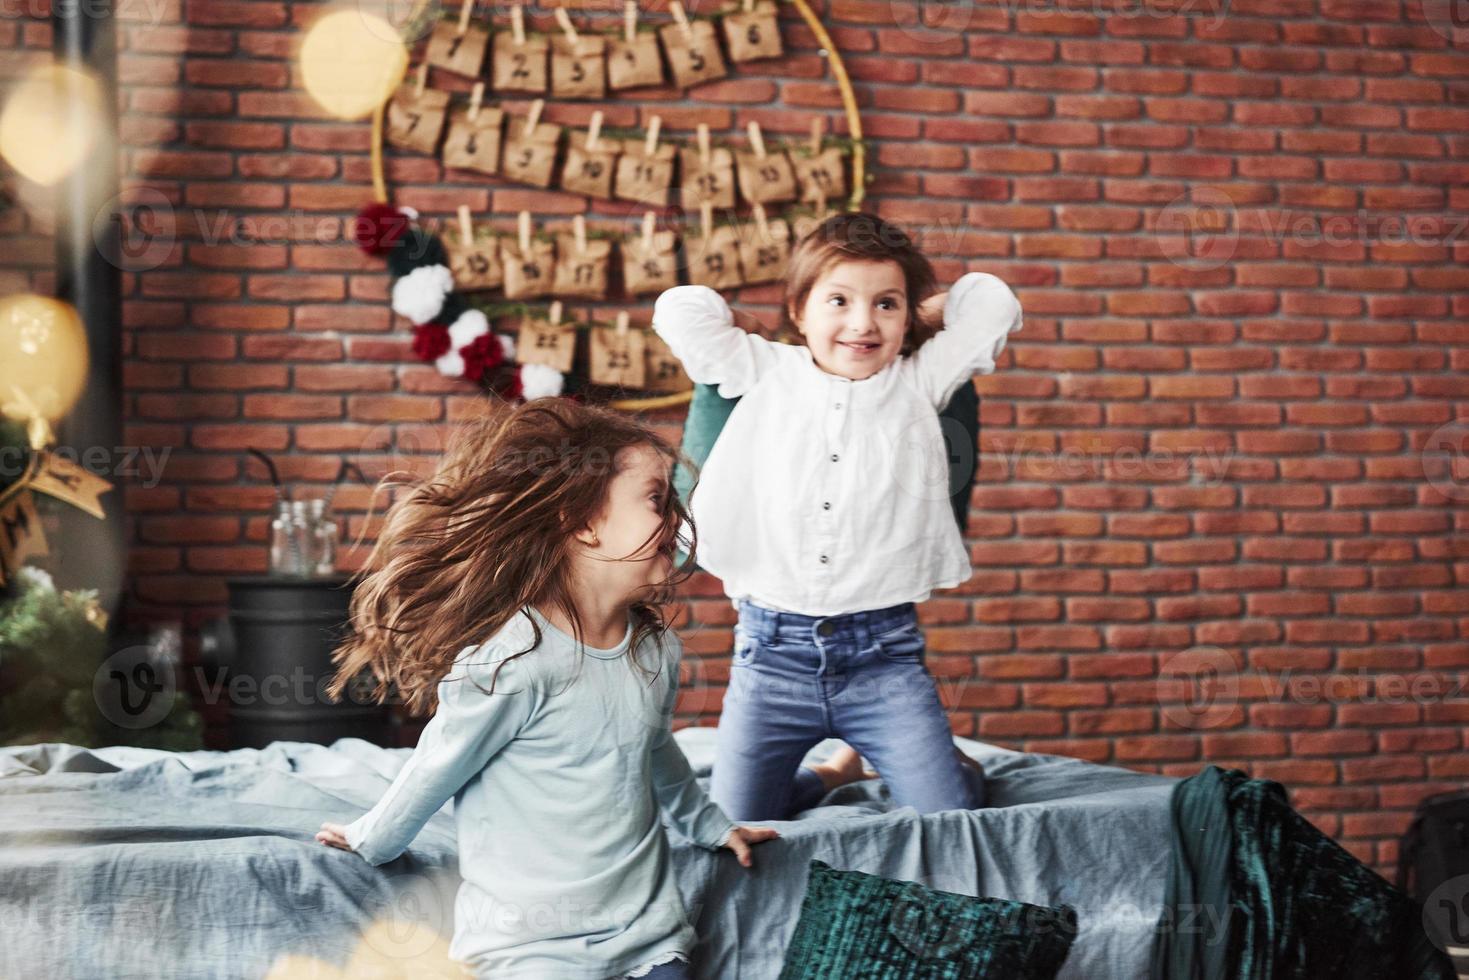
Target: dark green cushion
[857, 926]
[959, 420]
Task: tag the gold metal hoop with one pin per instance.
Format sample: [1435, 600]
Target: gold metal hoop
[854, 200]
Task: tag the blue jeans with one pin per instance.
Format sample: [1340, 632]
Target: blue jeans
[860, 677]
[672, 970]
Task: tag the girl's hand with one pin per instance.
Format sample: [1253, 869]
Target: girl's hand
[741, 838]
[333, 835]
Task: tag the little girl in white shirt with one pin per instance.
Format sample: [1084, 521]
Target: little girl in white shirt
[824, 508]
[520, 590]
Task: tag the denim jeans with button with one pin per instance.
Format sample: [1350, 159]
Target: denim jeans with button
[860, 677]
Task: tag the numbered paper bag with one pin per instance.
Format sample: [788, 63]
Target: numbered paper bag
[530, 156]
[590, 172]
[821, 176]
[461, 53]
[474, 143]
[542, 342]
[643, 177]
[663, 372]
[714, 261]
[582, 274]
[618, 358]
[710, 182]
[519, 67]
[649, 268]
[527, 274]
[475, 265]
[765, 179]
[635, 63]
[753, 33]
[416, 119]
[579, 70]
[693, 53]
[765, 251]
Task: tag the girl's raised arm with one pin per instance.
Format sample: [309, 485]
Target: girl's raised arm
[980, 313]
[688, 807]
[697, 325]
[465, 732]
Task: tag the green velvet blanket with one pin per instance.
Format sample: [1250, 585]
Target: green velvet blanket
[1257, 892]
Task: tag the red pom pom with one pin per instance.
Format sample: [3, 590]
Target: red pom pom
[378, 227]
[481, 354]
[509, 387]
[430, 341]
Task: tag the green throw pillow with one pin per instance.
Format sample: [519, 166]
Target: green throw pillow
[857, 926]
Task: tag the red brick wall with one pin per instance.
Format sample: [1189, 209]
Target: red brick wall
[1248, 433]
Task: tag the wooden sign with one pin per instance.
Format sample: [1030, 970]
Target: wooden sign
[458, 48]
[642, 176]
[581, 274]
[649, 267]
[416, 118]
[527, 274]
[662, 371]
[714, 260]
[579, 68]
[540, 341]
[693, 52]
[519, 67]
[618, 355]
[634, 63]
[753, 32]
[530, 154]
[474, 143]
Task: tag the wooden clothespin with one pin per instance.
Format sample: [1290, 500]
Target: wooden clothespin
[649, 222]
[704, 146]
[465, 10]
[761, 226]
[748, 6]
[517, 24]
[594, 130]
[422, 82]
[524, 230]
[533, 118]
[563, 20]
[579, 232]
[623, 320]
[816, 127]
[650, 143]
[630, 20]
[682, 19]
[757, 142]
[553, 316]
[476, 97]
[466, 227]
[706, 219]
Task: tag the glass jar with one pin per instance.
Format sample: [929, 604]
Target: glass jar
[324, 541]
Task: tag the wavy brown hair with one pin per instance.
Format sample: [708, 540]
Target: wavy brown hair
[858, 236]
[490, 532]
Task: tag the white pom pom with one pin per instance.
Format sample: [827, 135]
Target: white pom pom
[450, 365]
[412, 213]
[470, 325]
[507, 346]
[419, 296]
[540, 381]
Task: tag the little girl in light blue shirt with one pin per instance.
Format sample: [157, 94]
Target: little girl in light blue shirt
[551, 521]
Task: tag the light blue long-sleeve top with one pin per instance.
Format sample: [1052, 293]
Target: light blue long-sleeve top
[557, 780]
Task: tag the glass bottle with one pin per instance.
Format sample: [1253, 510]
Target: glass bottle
[280, 539]
[301, 544]
[324, 531]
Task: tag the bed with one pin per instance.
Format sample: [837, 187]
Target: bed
[123, 862]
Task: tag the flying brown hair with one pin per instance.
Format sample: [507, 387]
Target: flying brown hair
[857, 236]
[491, 531]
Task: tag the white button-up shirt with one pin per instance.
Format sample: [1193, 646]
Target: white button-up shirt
[824, 495]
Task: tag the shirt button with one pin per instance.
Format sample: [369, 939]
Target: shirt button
[826, 505]
[823, 559]
[839, 404]
[834, 457]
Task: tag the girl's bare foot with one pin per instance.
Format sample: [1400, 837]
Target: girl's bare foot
[843, 767]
